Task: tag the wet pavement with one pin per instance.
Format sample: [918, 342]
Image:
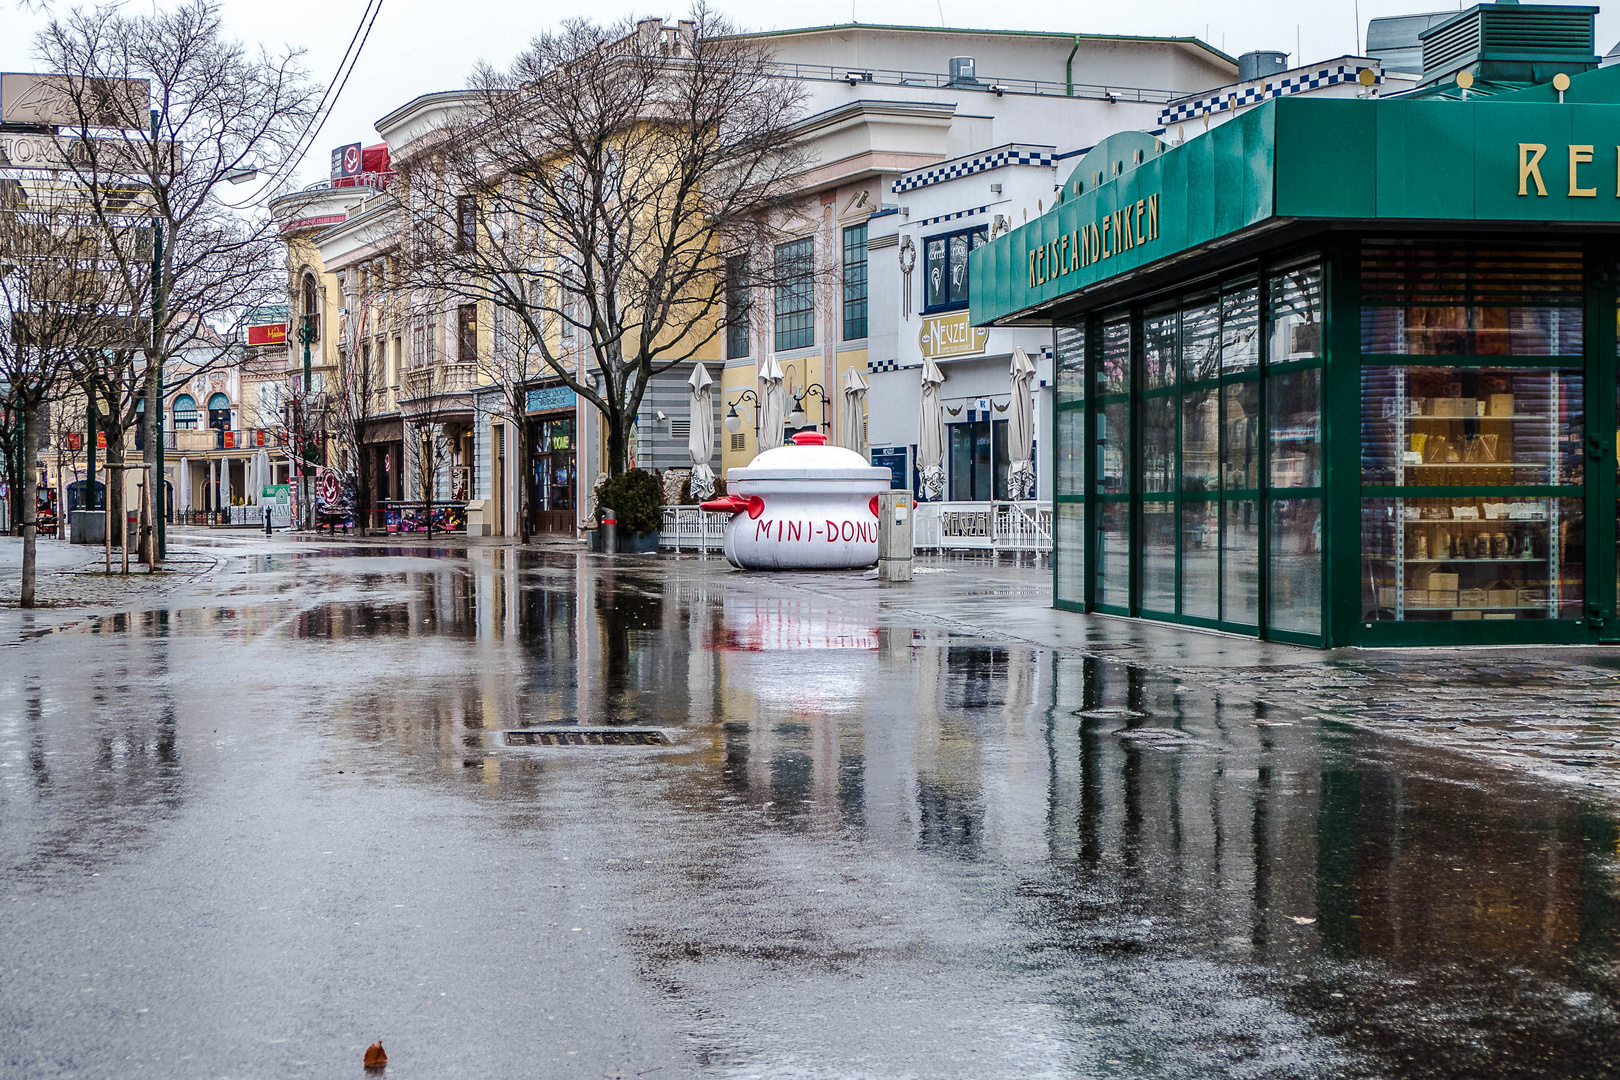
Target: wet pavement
[305, 802]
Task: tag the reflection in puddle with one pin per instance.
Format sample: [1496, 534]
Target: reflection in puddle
[1132, 853]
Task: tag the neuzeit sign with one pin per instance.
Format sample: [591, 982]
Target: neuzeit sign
[1095, 241]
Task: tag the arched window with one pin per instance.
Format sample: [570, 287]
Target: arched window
[312, 310]
[219, 412]
[185, 412]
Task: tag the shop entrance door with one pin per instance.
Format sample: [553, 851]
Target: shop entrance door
[553, 475]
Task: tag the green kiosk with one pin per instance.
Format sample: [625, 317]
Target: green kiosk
[1343, 372]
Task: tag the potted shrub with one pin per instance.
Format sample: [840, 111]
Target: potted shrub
[638, 503]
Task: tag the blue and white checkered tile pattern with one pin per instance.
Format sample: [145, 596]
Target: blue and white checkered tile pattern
[953, 217]
[877, 367]
[996, 159]
[1253, 95]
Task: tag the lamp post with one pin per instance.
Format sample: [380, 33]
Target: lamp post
[306, 334]
[733, 417]
[797, 418]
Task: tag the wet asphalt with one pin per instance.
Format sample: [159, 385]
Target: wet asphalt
[251, 827]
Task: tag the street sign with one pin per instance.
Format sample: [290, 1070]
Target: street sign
[346, 161]
[27, 98]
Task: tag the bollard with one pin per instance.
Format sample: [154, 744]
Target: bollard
[610, 535]
[894, 535]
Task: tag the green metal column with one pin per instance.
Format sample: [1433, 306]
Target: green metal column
[158, 503]
[1341, 439]
[90, 426]
[1602, 618]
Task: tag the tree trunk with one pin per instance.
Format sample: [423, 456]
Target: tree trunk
[618, 440]
[149, 423]
[521, 488]
[30, 482]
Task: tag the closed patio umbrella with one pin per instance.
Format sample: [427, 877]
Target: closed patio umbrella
[261, 474]
[772, 405]
[1021, 430]
[183, 486]
[851, 425]
[700, 439]
[931, 434]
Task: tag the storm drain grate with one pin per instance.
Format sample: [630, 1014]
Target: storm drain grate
[586, 738]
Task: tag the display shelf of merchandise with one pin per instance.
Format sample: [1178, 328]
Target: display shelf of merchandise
[1529, 574]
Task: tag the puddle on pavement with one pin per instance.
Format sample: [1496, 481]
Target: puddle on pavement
[1143, 856]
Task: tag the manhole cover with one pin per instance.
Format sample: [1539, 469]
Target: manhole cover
[575, 737]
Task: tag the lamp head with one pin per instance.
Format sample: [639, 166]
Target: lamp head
[733, 421]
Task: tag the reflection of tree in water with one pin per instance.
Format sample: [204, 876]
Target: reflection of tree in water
[950, 796]
[629, 618]
[102, 771]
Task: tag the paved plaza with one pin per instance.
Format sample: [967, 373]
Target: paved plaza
[533, 812]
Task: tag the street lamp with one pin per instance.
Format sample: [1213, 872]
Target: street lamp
[797, 418]
[733, 418]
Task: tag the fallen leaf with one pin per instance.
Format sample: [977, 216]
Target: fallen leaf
[1301, 919]
[376, 1057]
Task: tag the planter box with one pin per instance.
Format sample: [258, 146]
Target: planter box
[638, 543]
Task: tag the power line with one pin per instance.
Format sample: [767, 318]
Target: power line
[328, 102]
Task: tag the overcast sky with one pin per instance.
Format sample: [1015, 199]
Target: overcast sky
[419, 46]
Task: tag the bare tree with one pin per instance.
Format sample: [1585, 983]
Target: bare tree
[162, 109]
[594, 191]
[57, 301]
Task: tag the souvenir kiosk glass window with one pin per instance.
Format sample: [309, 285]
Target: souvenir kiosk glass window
[1201, 457]
[1240, 453]
[1069, 511]
[1294, 448]
[1111, 482]
[1160, 326]
[1473, 427]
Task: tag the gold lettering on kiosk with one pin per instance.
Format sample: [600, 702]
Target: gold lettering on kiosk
[1578, 156]
[1530, 155]
[1092, 242]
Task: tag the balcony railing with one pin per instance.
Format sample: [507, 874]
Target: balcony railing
[444, 379]
[856, 76]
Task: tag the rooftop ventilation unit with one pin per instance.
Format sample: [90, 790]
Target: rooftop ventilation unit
[962, 71]
[1511, 42]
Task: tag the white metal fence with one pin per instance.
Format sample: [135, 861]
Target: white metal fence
[983, 526]
[939, 526]
[687, 528]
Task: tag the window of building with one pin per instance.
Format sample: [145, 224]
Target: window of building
[185, 413]
[467, 333]
[795, 295]
[855, 282]
[946, 265]
[312, 307]
[466, 223]
[219, 412]
[737, 307]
